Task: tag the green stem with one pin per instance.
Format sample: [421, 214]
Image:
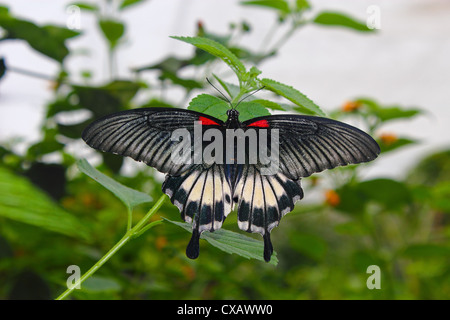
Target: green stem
[137, 230]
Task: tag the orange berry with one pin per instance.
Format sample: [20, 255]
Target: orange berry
[332, 198]
[161, 242]
[388, 138]
[350, 106]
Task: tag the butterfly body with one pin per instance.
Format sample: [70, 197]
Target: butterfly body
[206, 191]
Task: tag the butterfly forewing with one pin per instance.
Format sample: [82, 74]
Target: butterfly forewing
[312, 144]
[145, 135]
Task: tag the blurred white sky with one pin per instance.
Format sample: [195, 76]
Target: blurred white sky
[406, 63]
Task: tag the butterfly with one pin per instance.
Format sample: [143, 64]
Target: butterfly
[205, 192]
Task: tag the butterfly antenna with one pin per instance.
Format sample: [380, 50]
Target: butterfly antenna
[249, 95]
[218, 91]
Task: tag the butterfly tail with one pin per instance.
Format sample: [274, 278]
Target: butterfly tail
[263, 200]
[203, 196]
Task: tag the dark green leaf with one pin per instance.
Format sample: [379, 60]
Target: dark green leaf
[22, 201]
[440, 196]
[48, 40]
[127, 3]
[113, 31]
[232, 242]
[293, 95]
[433, 169]
[112, 161]
[128, 196]
[107, 99]
[61, 105]
[98, 283]
[47, 145]
[386, 113]
[2, 67]
[124, 90]
[400, 142]
[73, 131]
[302, 5]
[279, 5]
[426, 251]
[218, 50]
[250, 109]
[169, 64]
[230, 88]
[310, 245]
[210, 105]
[86, 6]
[188, 84]
[351, 228]
[50, 177]
[269, 104]
[341, 20]
[388, 192]
[362, 259]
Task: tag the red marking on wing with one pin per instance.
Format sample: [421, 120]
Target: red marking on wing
[259, 124]
[208, 122]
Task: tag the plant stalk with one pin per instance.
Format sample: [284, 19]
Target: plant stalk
[135, 231]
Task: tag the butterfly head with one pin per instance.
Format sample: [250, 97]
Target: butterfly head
[233, 119]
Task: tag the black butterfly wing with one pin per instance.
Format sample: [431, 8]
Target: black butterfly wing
[309, 144]
[306, 145]
[263, 200]
[201, 192]
[203, 196]
[145, 135]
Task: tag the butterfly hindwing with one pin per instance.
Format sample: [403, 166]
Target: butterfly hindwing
[203, 196]
[262, 201]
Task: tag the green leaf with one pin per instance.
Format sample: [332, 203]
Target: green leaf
[250, 109]
[400, 142]
[47, 145]
[113, 31]
[441, 196]
[86, 6]
[232, 242]
[426, 251]
[279, 5]
[218, 50]
[210, 105]
[387, 113]
[310, 245]
[48, 40]
[269, 104]
[127, 3]
[97, 283]
[113, 97]
[188, 84]
[341, 20]
[302, 5]
[124, 90]
[391, 194]
[432, 170]
[21, 201]
[231, 89]
[128, 196]
[293, 95]
[2, 67]
[351, 228]
[169, 64]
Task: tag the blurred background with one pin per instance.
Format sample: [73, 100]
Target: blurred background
[380, 65]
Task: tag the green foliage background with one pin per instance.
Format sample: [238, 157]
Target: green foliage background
[52, 216]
